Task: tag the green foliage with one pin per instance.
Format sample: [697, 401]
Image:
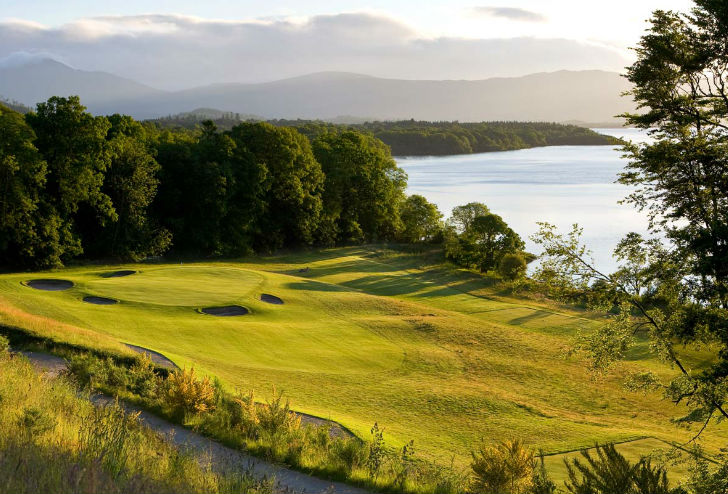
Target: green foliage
[421, 220]
[377, 452]
[506, 468]
[480, 241]
[28, 224]
[186, 394]
[541, 482]
[73, 144]
[363, 188]
[4, 345]
[609, 472]
[462, 217]
[706, 477]
[131, 183]
[292, 184]
[34, 421]
[512, 266]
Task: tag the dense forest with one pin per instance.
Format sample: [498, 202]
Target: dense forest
[414, 138]
[76, 185]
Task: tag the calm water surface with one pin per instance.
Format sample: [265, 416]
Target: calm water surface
[562, 185]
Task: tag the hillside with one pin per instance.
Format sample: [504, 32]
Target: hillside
[590, 96]
[38, 80]
[368, 335]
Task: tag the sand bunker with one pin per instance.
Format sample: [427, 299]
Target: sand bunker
[119, 274]
[50, 285]
[228, 310]
[100, 300]
[271, 299]
[156, 357]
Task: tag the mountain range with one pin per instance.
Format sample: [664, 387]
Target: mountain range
[586, 96]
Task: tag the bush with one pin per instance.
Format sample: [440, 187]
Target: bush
[4, 345]
[34, 422]
[609, 472]
[512, 266]
[187, 394]
[506, 468]
[275, 417]
[142, 379]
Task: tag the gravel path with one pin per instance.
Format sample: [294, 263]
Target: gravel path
[288, 480]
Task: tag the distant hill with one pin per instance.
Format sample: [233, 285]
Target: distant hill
[38, 80]
[588, 96]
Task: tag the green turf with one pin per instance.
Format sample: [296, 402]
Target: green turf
[432, 354]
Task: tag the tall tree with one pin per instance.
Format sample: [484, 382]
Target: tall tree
[462, 216]
[364, 186]
[28, 225]
[131, 182]
[493, 238]
[421, 220]
[73, 144]
[672, 288]
[195, 181]
[293, 183]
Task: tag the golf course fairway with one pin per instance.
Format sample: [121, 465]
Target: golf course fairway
[365, 335]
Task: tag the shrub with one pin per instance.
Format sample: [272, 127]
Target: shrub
[542, 484]
[377, 452]
[404, 465]
[512, 266]
[187, 394]
[4, 345]
[275, 417]
[34, 422]
[609, 471]
[245, 416]
[142, 379]
[345, 455]
[85, 368]
[506, 468]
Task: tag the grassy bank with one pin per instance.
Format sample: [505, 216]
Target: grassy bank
[54, 440]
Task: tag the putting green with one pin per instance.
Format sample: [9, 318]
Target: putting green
[432, 354]
[179, 285]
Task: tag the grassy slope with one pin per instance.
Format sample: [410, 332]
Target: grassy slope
[53, 440]
[431, 354]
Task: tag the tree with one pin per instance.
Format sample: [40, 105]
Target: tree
[131, 182]
[462, 216]
[196, 183]
[512, 266]
[673, 291]
[28, 225]
[492, 238]
[420, 220]
[364, 186]
[73, 144]
[293, 184]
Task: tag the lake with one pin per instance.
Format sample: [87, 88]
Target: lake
[560, 184]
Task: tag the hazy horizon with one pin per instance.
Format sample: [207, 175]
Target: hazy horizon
[178, 45]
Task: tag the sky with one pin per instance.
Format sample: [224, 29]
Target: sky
[183, 43]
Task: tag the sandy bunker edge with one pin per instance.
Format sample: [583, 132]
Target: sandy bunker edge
[49, 284]
[225, 311]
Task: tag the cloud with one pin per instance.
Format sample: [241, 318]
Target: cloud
[510, 13]
[175, 52]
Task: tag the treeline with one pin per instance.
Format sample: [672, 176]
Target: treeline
[75, 184]
[417, 138]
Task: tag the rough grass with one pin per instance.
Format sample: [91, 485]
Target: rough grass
[54, 440]
[433, 354]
